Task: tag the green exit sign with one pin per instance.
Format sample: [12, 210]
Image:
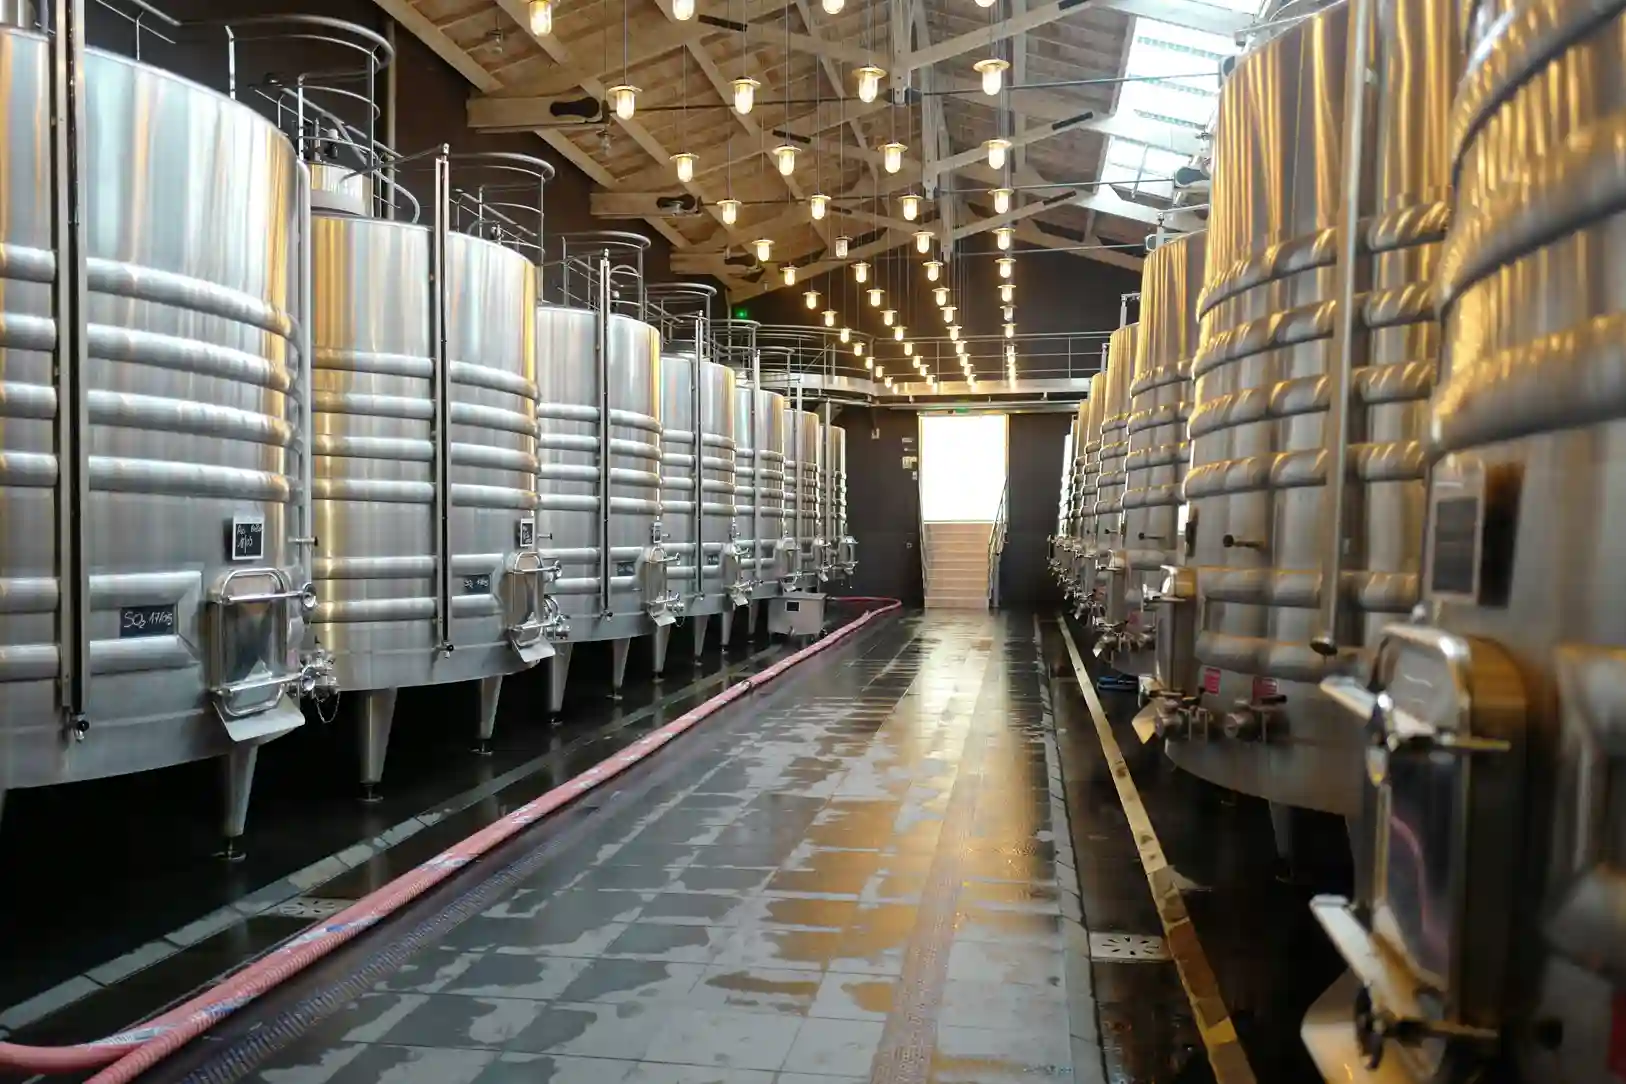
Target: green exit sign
[741, 313]
[962, 410]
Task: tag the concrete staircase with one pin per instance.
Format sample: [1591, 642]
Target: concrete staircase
[957, 565]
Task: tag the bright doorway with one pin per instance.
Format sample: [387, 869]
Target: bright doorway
[962, 467]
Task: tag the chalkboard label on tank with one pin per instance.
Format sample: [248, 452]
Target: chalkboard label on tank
[527, 533]
[1456, 546]
[625, 568]
[477, 585]
[713, 560]
[138, 621]
[248, 538]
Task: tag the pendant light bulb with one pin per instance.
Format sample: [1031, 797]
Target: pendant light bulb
[1002, 200]
[933, 270]
[996, 152]
[897, 334]
[832, 7]
[889, 316]
[745, 94]
[829, 317]
[1010, 354]
[940, 295]
[880, 370]
[1007, 291]
[812, 299]
[841, 246]
[1007, 266]
[764, 248]
[959, 348]
[911, 207]
[909, 350]
[858, 349]
[846, 334]
[784, 156]
[1010, 331]
[730, 209]
[860, 272]
[992, 71]
[817, 204]
[624, 99]
[923, 241]
[1009, 312]
[1002, 237]
[541, 17]
[892, 156]
[869, 82]
[948, 314]
[682, 10]
[788, 274]
[875, 295]
[684, 162]
[954, 333]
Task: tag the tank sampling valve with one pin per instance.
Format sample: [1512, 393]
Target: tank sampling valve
[1255, 721]
[1178, 716]
[1231, 541]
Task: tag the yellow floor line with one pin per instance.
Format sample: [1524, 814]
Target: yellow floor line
[1219, 1037]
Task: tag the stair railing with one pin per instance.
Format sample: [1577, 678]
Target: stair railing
[996, 546]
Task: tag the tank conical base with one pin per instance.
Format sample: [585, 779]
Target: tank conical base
[700, 623]
[657, 649]
[377, 717]
[751, 610]
[238, 773]
[725, 627]
[558, 674]
[490, 693]
[618, 665]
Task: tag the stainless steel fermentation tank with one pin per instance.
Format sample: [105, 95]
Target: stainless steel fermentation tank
[760, 419]
[1081, 571]
[1157, 454]
[426, 506]
[153, 575]
[843, 546]
[1316, 347]
[1491, 943]
[600, 403]
[1110, 465]
[804, 496]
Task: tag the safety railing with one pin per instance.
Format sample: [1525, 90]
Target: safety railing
[996, 546]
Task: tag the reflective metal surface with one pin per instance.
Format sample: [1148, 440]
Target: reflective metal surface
[190, 423]
[568, 475]
[1088, 460]
[759, 497]
[716, 530]
[376, 466]
[1111, 475]
[804, 493]
[843, 546]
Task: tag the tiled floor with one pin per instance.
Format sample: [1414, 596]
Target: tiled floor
[872, 881]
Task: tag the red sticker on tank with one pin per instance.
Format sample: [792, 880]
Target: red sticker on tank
[1211, 678]
[1263, 687]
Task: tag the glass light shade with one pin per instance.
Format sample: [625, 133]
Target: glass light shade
[959, 347]
[889, 383]
[869, 363]
[911, 207]
[996, 152]
[624, 99]
[940, 295]
[858, 349]
[869, 82]
[880, 370]
[1010, 331]
[730, 209]
[875, 295]
[1002, 200]
[812, 299]
[1007, 290]
[923, 241]
[784, 156]
[745, 94]
[860, 272]
[933, 270]
[682, 10]
[897, 333]
[888, 316]
[985, 3]
[788, 273]
[541, 17]
[1008, 312]
[846, 334]
[948, 313]
[1007, 266]
[764, 248]
[1002, 237]
[684, 161]
[816, 206]
[829, 317]
[832, 7]
[992, 71]
[909, 350]
[841, 247]
[954, 333]
[892, 156]
[1010, 354]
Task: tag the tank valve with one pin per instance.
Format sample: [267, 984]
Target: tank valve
[1176, 717]
[1254, 721]
[1231, 541]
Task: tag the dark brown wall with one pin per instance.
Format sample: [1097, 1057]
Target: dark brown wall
[883, 502]
[1034, 477]
[431, 108]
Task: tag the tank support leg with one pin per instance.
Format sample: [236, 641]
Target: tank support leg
[700, 623]
[239, 777]
[657, 648]
[725, 628]
[490, 690]
[618, 665]
[751, 619]
[377, 715]
[558, 673]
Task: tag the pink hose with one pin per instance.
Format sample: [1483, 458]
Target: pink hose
[130, 1053]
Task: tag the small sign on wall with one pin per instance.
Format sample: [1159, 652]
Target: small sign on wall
[910, 462]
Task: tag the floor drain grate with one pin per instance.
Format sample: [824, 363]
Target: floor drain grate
[1127, 947]
[310, 907]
